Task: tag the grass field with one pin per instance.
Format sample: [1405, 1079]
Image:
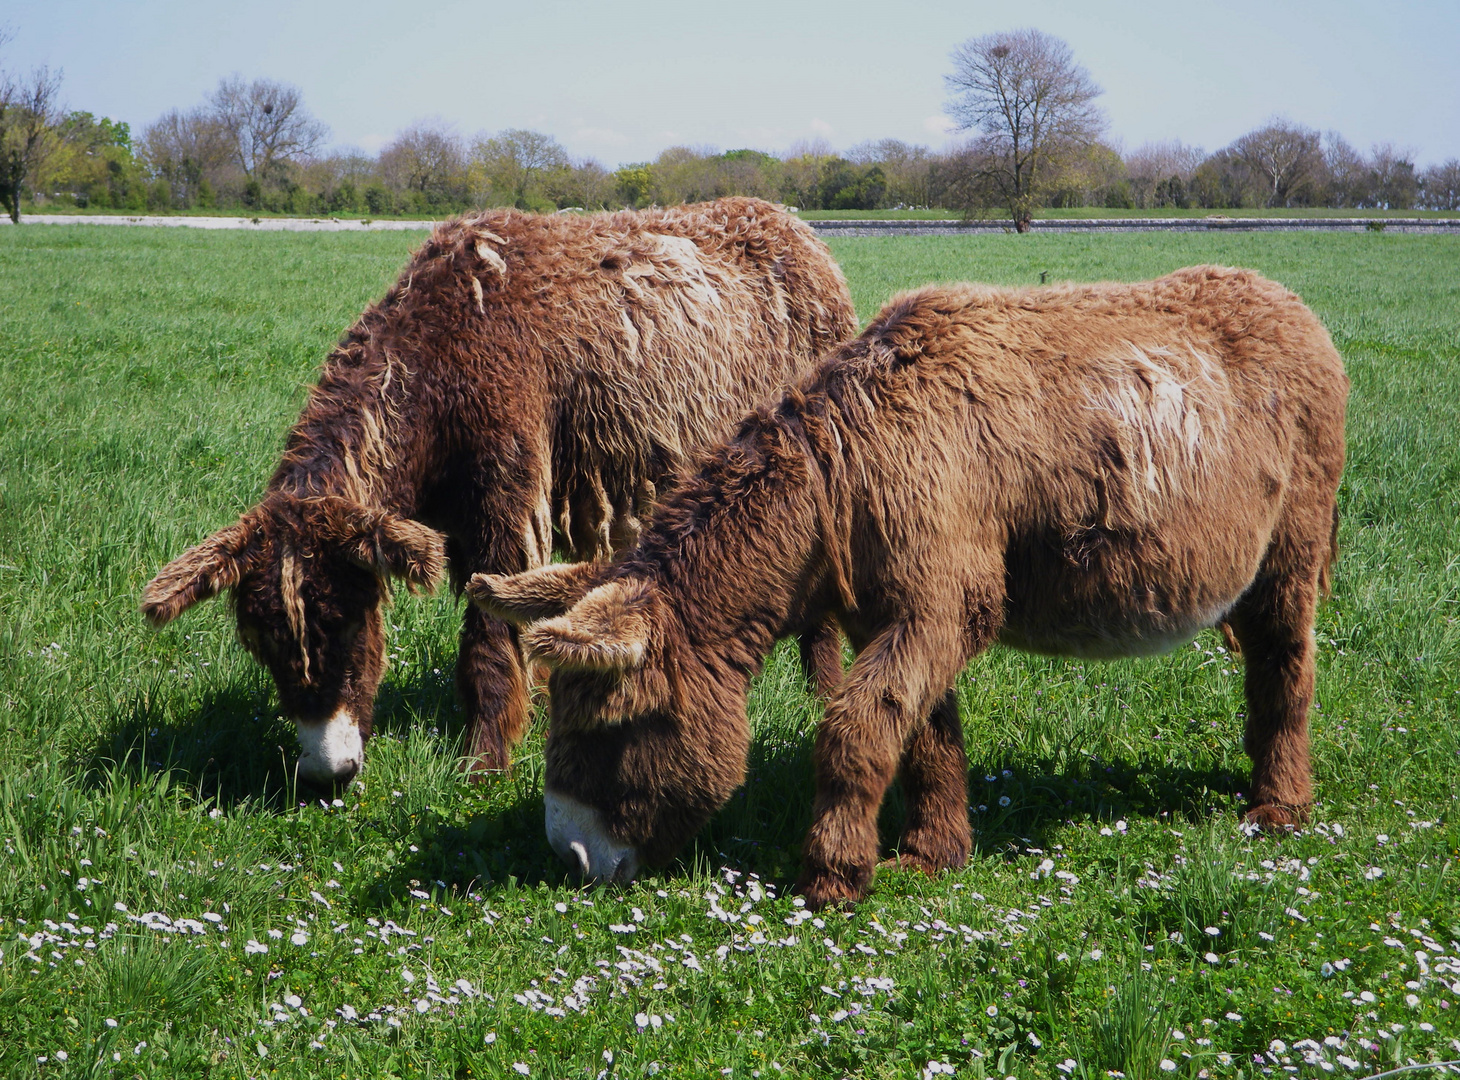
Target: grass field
[168, 909]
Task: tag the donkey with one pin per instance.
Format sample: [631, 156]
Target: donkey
[1084, 470]
[529, 382]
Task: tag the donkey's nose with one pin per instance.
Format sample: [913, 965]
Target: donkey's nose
[577, 833]
[331, 751]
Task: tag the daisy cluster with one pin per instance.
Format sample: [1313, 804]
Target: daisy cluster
[642, 980]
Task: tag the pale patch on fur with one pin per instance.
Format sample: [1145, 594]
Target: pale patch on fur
[490, 257]
[330, 749]
[1162, 415]
[577, 833]
[368, 458]
[476, 291]
[678, 259]
[291, 582]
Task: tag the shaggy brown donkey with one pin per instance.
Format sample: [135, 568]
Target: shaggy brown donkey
[1093, 471]
[529, 382]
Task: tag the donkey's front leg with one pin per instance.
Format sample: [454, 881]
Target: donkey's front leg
[889, 691]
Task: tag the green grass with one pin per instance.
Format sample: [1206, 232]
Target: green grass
[146, 381]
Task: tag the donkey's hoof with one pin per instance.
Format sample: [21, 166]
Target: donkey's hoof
[1275, 817]
[827, 887]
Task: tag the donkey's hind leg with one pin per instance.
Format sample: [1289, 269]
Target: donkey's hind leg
[1274, 624]
[934, 776]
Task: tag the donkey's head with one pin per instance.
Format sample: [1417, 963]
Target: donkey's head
[647, 737]
[308, 576]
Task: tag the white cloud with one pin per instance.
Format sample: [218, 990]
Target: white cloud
[940, 124]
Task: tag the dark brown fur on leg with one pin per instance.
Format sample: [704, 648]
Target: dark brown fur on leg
[1274, 623]
[821, 658]
[853, 771]
[493, 691]
[859, 747]
[936, 835]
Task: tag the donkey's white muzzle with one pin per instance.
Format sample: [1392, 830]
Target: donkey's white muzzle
[331, 751]
[577, 833]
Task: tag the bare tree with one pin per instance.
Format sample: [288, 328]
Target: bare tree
[513, 164]
[585, 185]
[1158, 163]
[1440, 186]
[29, 114]
[426, 157]
[906, 168]
[1286, 155]
[1032, 106]
[1347, 172]
[1392, 181]
[266, 124]
[184, 149]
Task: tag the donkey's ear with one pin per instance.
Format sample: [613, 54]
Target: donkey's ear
[608, 630]
[395, 546]
[199, 573]
[544, 593]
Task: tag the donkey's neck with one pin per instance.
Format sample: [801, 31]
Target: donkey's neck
[354, 435]
[737, 550]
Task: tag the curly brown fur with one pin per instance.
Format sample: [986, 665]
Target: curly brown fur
[529, 383]
[1095, 471]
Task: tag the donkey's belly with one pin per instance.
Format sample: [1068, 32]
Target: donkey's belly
[1125, 598]
[1117, 634]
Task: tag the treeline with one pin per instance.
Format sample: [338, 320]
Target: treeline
[254, 146]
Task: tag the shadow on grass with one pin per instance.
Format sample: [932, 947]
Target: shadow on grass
[232, 747]
[229, 749]
[761, 828]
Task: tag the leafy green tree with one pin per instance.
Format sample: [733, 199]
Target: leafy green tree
[1392, 181]
[512, 166]
[92, 161]
[633, 183]
[29, 114]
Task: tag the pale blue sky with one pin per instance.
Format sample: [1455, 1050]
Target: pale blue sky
[621, 81]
